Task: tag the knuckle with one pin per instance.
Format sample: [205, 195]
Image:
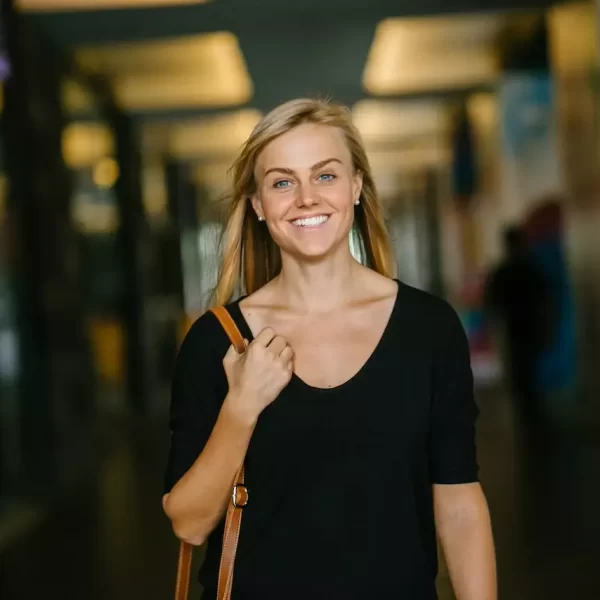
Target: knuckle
[255, 350]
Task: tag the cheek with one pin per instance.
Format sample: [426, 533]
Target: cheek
[341, 197]
[275, 204]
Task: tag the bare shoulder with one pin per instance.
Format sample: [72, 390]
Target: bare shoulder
[260, 307]
[262, 298]
[377, 286]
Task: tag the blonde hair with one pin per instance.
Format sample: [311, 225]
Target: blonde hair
[250, 256]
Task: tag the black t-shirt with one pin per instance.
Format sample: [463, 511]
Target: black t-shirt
[340, 480]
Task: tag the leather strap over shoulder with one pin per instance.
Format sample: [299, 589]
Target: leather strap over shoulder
[231, 329]
[238, 499]
[239, 494]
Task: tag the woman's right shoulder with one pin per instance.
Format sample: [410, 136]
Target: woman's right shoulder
[205, 337]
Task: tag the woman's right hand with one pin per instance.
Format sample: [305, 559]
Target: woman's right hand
[257, 376]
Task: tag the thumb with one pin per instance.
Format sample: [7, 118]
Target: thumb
[231, 356]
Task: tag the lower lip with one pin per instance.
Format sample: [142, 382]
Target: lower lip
[309, 227]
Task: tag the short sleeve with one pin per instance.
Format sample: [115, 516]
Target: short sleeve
[196, 397]
[452, 448]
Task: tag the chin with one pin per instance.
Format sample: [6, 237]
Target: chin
[312, 252]
[313, 255]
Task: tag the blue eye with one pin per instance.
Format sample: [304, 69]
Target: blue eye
[327, 177]
[283, 184]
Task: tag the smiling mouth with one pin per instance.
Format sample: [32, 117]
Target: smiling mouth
[310, 221]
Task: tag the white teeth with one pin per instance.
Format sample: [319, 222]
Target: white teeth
[311, 221]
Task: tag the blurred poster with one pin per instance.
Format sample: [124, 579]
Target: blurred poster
[531, 163]
[533, 185]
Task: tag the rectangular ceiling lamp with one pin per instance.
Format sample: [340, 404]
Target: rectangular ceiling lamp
[213, 138]
[79, 5]
[388, 121]
[219, 136]
[181, 73]
[433, 54]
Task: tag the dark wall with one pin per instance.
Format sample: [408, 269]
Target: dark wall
[55, 392]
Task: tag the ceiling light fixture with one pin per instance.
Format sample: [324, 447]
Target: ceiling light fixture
[85, 5]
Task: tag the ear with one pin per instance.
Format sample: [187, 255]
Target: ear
[257, 206]
[357, 186]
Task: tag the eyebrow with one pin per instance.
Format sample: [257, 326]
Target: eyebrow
[315, 167]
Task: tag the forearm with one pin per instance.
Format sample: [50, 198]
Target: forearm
[198, 500]
[468, 548]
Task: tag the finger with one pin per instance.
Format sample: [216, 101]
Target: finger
[265, 337]
[231, 355]
[287, 354]
[277, 345]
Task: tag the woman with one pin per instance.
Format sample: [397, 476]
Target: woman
[353, 402]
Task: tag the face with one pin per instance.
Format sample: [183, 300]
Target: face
[306, 190]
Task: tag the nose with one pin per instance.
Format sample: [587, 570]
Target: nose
[306, 196]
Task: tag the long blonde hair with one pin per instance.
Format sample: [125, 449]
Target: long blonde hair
[250, 256]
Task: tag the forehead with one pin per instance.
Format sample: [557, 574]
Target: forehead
[304, 146]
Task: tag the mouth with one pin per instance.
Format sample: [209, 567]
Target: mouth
[310, 222]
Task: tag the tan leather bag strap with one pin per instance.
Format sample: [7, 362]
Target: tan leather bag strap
[239, 499]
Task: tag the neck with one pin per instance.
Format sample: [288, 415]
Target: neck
[320, 286]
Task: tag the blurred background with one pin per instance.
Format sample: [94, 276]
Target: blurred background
[118, 122]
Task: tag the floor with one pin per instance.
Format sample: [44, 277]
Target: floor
[107, 539]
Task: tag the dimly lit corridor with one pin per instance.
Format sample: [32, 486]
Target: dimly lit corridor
[119, 121]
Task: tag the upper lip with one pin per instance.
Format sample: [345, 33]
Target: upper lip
[310, 216]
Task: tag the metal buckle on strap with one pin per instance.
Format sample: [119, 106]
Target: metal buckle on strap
[239, 495]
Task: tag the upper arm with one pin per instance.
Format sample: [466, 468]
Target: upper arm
[457, 503]
[195, 398]
[452, 451]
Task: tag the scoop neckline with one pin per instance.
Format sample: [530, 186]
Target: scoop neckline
[297, 380]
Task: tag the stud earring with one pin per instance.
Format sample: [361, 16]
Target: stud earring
[357, 202]
[261, 218]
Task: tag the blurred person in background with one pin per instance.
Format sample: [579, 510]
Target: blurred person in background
[519, 301]
[352, 405]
